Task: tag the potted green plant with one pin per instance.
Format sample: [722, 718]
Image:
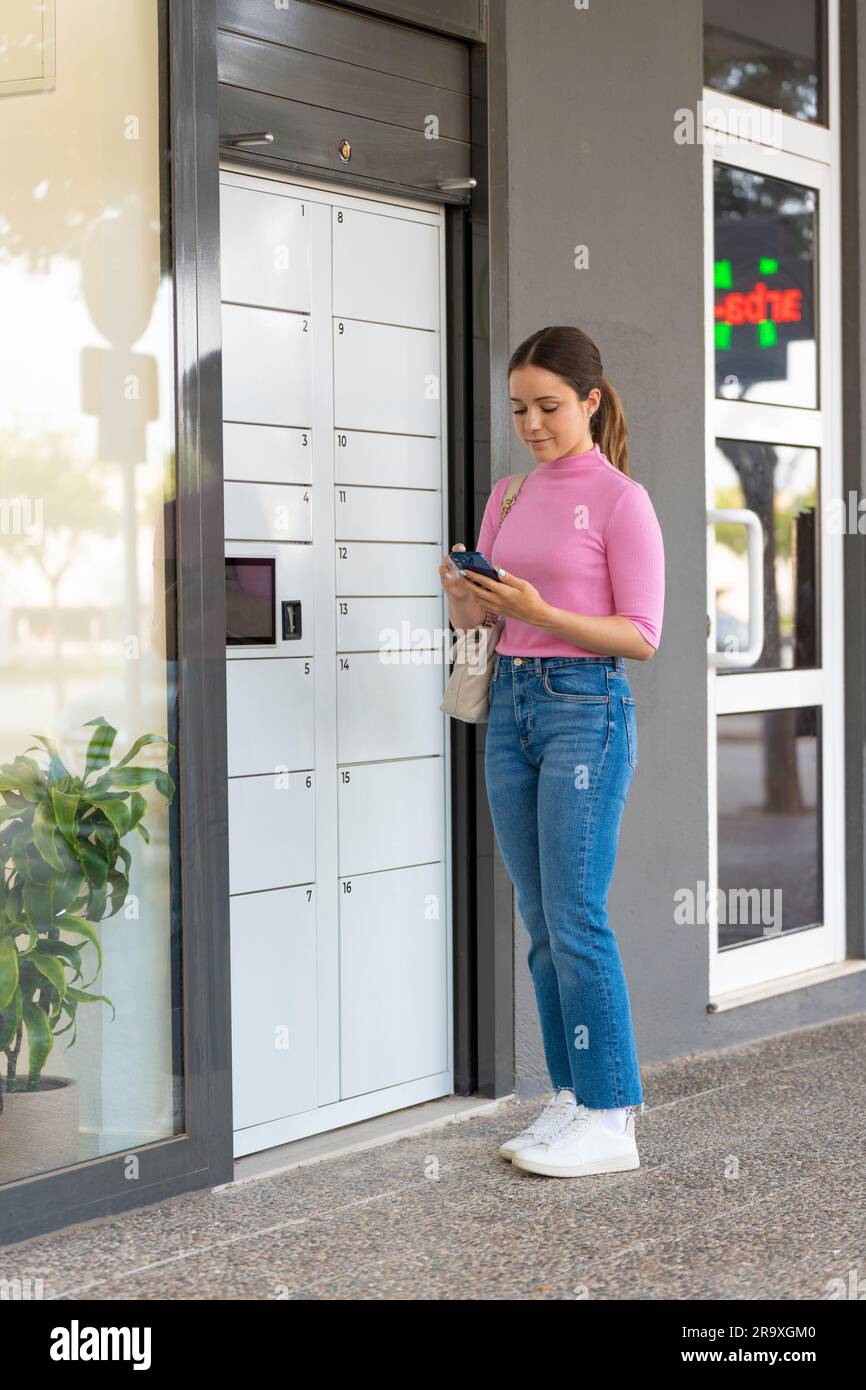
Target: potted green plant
[65, 869]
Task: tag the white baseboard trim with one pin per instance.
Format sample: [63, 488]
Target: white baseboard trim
[771, 988]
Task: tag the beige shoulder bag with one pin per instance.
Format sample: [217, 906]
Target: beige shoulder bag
[467, 694]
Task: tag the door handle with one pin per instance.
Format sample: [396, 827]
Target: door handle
[255, 137]
[755, 549]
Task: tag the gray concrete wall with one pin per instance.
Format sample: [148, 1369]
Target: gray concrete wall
[591, 96]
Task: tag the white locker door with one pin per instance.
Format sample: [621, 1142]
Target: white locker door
[334, 465]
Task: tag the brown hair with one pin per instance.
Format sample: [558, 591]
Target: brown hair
[569, 353]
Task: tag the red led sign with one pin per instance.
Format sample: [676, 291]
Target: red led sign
[759, 304]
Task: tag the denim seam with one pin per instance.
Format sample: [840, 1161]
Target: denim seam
[587, 849]
[612, 1030]
[632, 751]
[524, 742]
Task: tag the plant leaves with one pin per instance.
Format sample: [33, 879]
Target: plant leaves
[68, 922]
[13, 908]
[100, 746]
[129, 779]
[45, 835]
[93, 862]
[80, 997]
[23, 776]
[13, 799]
[15, 929]
[116, 810]
[39, 1038]
[96, 901]
[51, 968]
[8, 971]
[56, 765]
[65, 805]
[39, 905]
[65, 949]
[31, 866]
[119, 889]
[10, 1022]
[140, 743]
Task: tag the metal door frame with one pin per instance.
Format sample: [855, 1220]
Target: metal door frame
[483, 962]
[202, 1156]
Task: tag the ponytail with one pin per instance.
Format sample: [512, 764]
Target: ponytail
[609, 429]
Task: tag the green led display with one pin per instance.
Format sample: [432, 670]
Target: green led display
[767, 334]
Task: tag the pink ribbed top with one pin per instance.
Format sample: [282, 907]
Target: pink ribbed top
[588, 539]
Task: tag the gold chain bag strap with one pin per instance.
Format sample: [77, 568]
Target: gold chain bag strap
[467, 694]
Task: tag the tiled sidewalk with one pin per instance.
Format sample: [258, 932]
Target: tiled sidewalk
[752, 1185]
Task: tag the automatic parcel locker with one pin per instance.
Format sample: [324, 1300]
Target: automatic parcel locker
[335, 482]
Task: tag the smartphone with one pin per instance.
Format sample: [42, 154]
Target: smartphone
[475, 561]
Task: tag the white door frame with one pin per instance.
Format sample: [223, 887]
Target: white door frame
[808, 154]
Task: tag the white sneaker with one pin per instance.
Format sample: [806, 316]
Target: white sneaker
[584, 1145]
[556, 1113]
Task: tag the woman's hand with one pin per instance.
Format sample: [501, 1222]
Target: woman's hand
[510, 597]
[464, 609]
[448, 571]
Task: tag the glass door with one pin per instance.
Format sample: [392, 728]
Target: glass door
[774, 543]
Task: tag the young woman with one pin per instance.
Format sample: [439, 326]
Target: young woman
[581, 584]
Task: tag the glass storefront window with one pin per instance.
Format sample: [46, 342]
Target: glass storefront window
[770, 52]
[770, 823]
[764, 276]
[90, 1001]
[780, 484]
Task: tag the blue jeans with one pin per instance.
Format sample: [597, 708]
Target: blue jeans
[560, 755]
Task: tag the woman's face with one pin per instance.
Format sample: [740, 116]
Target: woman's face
[549, 416]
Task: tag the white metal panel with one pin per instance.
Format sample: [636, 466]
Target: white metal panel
[294, 580]
[265, 249]
[273, 963]
[387, 514]
[386, 269]
[387, 460]
[391, 815]
[376, 624]
[267, 453]
[386, 378]
[271, 716]
[271, 831]
[726, 127]
[364, 567]
[268, 511]
[389, 710]
[325, 194]
[393, 971]
[266, 366]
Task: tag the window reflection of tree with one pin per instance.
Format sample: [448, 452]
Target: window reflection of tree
[772, 56]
